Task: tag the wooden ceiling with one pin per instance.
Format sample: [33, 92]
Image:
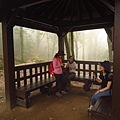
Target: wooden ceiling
[53, 15]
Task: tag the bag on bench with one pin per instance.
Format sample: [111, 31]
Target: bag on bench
[87, 85]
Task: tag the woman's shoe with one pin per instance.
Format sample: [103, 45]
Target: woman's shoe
[63, 92]
[58, 94]
[90, 108]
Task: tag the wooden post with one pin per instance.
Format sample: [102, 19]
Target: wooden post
[116, 65]
[60, 42]
[8, 52]
[61, 38]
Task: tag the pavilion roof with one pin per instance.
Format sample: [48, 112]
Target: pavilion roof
[52, 15]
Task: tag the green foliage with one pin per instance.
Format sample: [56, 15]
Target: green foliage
[37, 59]
[1, 65]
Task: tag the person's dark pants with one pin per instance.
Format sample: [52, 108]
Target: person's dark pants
[59, 82]
[69, 76]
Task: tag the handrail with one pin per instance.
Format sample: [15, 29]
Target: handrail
[27, 74]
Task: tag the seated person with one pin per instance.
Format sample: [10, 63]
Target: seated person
[71, 66]
[106, 83]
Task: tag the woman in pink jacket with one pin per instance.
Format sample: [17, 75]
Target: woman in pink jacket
[57, 65]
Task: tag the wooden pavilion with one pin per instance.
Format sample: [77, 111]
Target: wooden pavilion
[60, 17]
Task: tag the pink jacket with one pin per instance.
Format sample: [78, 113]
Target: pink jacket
[57, 66]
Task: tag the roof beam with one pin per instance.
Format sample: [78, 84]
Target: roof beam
[30, 3]
[12, 18]
[108, 19]
[112, 8]
[35, 25]
[90, 26]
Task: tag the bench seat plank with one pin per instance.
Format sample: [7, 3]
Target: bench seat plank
[103, 106]
[96, 106]
[80, 78]
[35, 86]
[107, 108]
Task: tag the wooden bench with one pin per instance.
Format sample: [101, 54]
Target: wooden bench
[23, 92]
[102, 107]
[87, 80]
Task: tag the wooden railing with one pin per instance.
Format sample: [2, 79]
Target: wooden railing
[28, 74]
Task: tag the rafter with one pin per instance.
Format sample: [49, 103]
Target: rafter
[55, 10]
[61, 9]
[108, 5]
[48, 9]
[89, 8]
[98, 8]
[65, 11]
[28, 3]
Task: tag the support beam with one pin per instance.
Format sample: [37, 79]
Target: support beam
[61, 34]
[108, 5]
[12, 19]
[8, 51]
[61, 42]
[91, 22]
[116, 64]
[36, 25]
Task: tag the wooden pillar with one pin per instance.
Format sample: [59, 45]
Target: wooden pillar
[61, 42]
[60, 39]
[116, 65]
[8, 51]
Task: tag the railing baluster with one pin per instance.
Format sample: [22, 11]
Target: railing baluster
[78, 69]
[18, 78]
[40, 73]
[36, 76]
[30, 75]
[90, 69]
[25, 80]
[83, 69]
[45, 75]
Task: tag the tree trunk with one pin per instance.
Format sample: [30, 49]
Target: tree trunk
[76, 46]
[110, 49]
[72, 44]
[67, 47]
[22, 45]
[109, 41]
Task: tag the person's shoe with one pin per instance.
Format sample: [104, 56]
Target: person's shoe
[58, 94]
[63, 92]
[90, 108]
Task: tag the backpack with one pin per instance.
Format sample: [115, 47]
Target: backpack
[50, 68]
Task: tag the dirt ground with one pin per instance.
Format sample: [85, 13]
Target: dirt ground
[72, 106]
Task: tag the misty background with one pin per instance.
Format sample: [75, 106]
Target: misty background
[34, 46]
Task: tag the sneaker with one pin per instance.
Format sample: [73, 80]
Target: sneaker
[58, 94]
[90, 108]
[63, 92]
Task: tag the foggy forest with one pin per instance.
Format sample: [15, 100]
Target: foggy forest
[34, 46]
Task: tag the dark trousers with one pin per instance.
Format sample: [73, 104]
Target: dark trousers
[59, 82]
[69, 76]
